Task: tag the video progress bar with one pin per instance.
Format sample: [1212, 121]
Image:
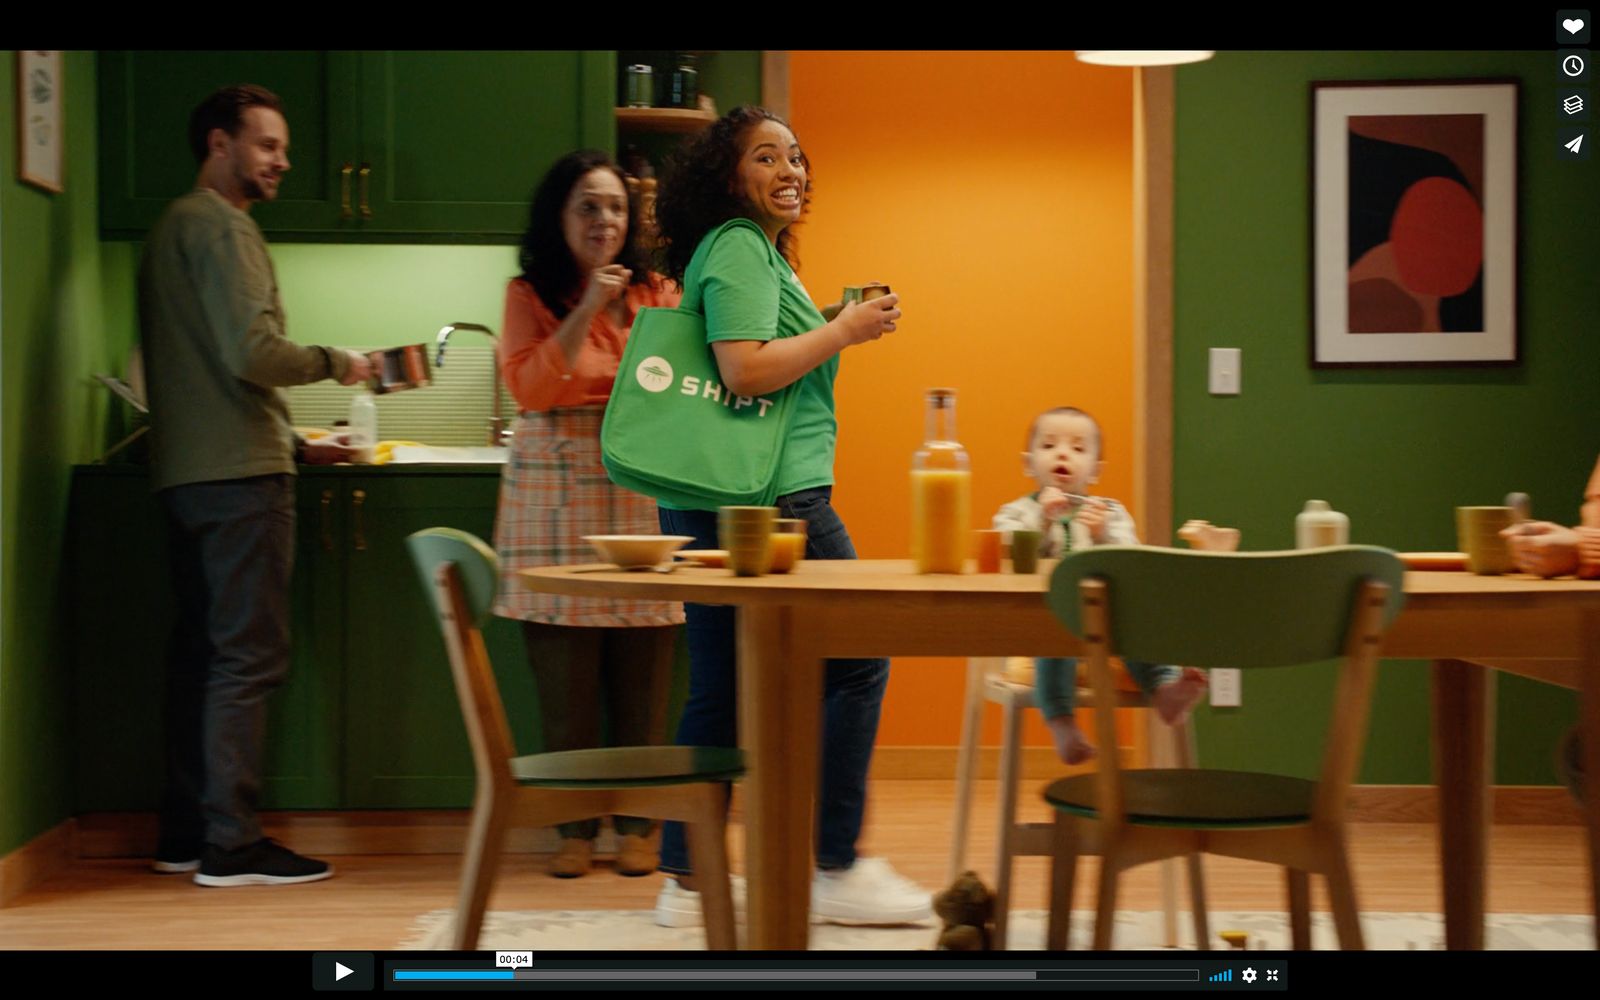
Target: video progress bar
[782, 975]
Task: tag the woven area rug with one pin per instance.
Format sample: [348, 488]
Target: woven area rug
[635, 930]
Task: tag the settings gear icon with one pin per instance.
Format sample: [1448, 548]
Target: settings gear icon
[1249, 975]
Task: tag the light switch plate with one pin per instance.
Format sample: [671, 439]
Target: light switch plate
[1224, 379]
[1226, 688]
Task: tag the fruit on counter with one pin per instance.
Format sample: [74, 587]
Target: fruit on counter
[381, 454]
[384, 452]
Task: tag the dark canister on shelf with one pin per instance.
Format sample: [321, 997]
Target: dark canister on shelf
[683, 85]
[641, 86]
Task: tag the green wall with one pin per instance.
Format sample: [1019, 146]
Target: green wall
[386, 296]
[1395, 449]
[53, 334]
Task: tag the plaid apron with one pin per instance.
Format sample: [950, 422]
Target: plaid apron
[553, 492]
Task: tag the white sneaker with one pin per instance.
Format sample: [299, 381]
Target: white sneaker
[678, 907]
[868, 892]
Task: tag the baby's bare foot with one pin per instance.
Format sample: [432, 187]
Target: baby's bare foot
[1174, 699]
[1071, 745]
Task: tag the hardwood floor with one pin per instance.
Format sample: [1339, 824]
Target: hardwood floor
[372, 901]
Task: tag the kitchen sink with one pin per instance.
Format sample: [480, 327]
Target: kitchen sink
[408, 454]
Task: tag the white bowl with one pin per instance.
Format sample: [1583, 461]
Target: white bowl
[636, 551]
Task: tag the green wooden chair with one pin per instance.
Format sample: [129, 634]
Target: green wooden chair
[1221, 609]
[460, 575]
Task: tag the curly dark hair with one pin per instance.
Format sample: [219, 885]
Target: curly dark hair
[225, 109]
[697, 194]
[546, 260]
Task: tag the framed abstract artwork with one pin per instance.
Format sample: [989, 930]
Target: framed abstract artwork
[39, 122]
[1414, 223]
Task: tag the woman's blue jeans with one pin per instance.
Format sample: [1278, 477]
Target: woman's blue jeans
[852, 692]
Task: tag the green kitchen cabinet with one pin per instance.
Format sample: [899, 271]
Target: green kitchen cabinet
[368, 717]
[457, 140]
[405, 742]
[123, 612]
[305, 730]
[145, 161]
[384, 146]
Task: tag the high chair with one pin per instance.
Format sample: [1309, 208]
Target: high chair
[988, 680]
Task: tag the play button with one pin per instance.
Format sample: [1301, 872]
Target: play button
[342, 970]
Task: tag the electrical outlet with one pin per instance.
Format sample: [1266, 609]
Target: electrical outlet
[1224, 379]
[1227, 689]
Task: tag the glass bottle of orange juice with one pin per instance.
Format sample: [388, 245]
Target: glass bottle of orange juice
[941, 491]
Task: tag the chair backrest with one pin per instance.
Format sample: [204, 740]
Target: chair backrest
[1236, 609]
[1227, 609]
[480, 567]
[460, 575]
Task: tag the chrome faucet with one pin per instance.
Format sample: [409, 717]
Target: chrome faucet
[499, 434]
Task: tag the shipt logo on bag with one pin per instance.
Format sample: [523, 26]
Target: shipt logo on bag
[654, 374]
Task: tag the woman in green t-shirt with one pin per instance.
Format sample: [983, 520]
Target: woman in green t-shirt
[768, 335]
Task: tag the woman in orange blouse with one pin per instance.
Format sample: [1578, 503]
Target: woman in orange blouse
[567, 318]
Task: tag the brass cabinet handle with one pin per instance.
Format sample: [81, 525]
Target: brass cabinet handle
[344, 190]
[366, 209]
[357, 498]
[327, 531]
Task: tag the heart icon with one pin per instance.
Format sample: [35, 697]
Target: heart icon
[1573, 25]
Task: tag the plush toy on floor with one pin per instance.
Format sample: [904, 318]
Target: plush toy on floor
[966, 909]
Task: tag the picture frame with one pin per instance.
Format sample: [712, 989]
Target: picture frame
[1414, 223]
[41, 155]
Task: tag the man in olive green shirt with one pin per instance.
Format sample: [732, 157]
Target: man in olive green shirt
[223, 463]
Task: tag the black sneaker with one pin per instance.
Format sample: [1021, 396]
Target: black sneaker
[265, 862]
[175, 856]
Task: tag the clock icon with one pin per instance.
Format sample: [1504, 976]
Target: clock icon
[1572, 65]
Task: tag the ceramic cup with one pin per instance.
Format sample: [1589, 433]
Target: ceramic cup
[863, 293]
[746, 534]
[1478, 535]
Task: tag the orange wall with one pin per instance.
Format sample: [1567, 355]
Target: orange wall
[994, 192]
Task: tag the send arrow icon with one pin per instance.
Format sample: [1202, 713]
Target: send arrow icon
[1576, 144]
[340, 970]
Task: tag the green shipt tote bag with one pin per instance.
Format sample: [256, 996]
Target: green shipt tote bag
[672, 431]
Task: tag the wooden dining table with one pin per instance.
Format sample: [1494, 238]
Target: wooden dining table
[1469, 626]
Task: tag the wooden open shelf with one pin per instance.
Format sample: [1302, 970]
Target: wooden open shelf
[679, 120]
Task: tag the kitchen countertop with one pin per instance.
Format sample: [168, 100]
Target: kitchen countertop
[132, 471]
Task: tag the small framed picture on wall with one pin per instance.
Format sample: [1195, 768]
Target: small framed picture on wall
[40, 143]
[1414, 223]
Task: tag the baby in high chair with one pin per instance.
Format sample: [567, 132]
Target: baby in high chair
[1063, 458]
